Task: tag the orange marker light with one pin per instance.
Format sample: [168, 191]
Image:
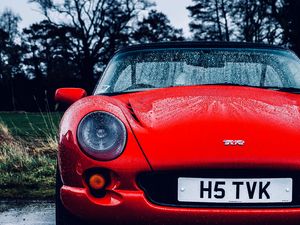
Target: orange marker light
[97, 181]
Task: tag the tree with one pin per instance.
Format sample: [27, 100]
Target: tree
[49, 52]
[9, 23]
[99, 28]
[4, 36]
[243, 20]
[49, 60]
[210, 19]
[255, 22]
[286, 13]
[156, 27]
[10, 52]
[9, 58]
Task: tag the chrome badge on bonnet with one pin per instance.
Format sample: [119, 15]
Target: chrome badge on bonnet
[234, 142]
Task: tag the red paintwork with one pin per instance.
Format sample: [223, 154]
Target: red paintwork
[182, 128]
[69, 95]
[187, 126]
[131, 207]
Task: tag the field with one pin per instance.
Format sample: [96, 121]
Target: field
[28, 145]
[31, 125]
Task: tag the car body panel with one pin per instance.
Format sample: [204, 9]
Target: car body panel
[131, 207]
[184, 127]
[73, 162]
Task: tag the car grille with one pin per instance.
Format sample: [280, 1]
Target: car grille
[161, 187]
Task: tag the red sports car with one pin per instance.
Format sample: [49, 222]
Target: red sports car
[184, 133]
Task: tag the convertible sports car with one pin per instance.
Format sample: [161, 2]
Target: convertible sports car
[184, 133]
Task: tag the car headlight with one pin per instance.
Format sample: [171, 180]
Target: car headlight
[102, 135]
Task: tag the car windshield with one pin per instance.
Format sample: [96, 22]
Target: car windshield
[160, 68]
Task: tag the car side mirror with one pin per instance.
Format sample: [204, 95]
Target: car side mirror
[69, 95]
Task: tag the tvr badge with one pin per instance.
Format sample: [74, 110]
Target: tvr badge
[234, 142]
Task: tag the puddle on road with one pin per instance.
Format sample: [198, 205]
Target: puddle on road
[27, 213]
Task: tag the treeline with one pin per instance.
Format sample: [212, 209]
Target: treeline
[267, 21]
[77, 38]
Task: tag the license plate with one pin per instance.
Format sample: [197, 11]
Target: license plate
[206, 190]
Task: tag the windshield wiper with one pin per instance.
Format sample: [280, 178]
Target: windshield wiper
[126, 92]
[219, 84]
[285, 89]
[231, 84]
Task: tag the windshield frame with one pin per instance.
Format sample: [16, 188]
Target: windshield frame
[122, 54]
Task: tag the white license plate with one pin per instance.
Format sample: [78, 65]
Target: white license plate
[267, 190]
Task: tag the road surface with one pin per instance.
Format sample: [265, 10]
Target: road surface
[27, 213]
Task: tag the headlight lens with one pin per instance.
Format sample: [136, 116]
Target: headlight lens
[102, 135]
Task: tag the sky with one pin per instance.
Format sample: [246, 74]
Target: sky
[174, 9]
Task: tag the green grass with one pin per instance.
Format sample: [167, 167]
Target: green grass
[28, 147]
[31, 125]
[26, 176]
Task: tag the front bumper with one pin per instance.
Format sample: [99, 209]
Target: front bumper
[132, 207]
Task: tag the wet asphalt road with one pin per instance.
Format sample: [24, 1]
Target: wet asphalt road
[27, 213]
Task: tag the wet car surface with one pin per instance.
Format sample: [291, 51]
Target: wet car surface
[184, 133]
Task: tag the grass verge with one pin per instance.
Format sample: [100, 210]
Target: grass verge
[27, 158]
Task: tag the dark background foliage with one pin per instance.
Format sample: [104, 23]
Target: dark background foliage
[78, 37]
